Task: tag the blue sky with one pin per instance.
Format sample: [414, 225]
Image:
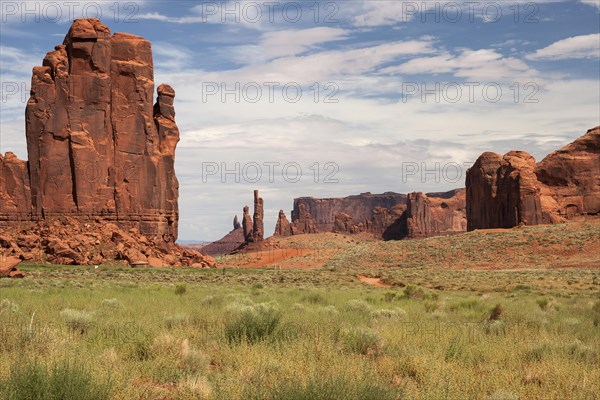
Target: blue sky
[527, 74]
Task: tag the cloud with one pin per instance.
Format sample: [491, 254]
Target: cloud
[293, 42]
[584, 46]
[593, 3]
[476, 65]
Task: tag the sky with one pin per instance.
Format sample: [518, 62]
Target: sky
[334, 98]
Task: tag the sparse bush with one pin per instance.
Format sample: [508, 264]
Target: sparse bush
[494, 327]
[180, 289]
[62, 380]
[502, 395]
[358, 305]
[361, 340]
[175, 321]
[390, 296]
[431, 306]
[77, 320]
[110, 303]
[191, 359]
[496, 313]
[212, 300]
[413, 292]
[580, 352]
[252, 323]
[8, 306]
[331, 310]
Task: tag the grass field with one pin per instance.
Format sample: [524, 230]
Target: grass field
[474, 316]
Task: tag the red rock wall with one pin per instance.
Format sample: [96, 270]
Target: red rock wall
[97, 145]
[503, 192]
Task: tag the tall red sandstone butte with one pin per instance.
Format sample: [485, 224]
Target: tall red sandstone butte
[98, 148]
[505, 191]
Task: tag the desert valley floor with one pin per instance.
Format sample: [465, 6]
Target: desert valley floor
[497, 314]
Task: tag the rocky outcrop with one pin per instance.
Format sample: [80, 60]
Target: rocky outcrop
[414, 215]
[8, 267]
[258, 228]
[66, 240]
[15, 191]
[435, 216]
[253, 227]
[247, 225]
[359, 207]
[98, 148]
[505, 191]
[228, 243]
[303, 223]
[236, 223]
[282, 227]
[572, 175]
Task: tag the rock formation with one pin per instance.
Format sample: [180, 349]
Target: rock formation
[8, 267]
[414, 215]
[97, 146]
[505, 191]
[253, 228]
[236, 223]
[435, 216]
[359, 207]
[258, 228]
[283, 227]
[247, 226]
[572, 175]
[304, 222]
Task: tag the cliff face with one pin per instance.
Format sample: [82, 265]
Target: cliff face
[96, 143]
[99, 150]
[505, 191]
[359, 207]
[389, 215]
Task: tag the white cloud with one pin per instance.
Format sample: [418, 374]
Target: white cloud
[593, 3]
[293, 42]
[483, 64]
[584, 46]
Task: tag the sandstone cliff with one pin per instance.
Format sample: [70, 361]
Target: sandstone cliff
[505, 191]
[98, 148]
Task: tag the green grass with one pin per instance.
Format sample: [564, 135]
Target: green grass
[438, 333]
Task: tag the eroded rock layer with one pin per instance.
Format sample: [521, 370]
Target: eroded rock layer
[505, 191]
[98, 148]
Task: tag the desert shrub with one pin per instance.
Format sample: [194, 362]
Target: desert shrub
[537, 353]
[191, 359]
[77, 320]
[174, 321]
[496, 313]
[8, 306]
[180, 289]
[62, 380]
[431, 306]
[390, 297]
[258, 286]
[361, 340]
[330, 310]
[455, 349]
[323, 388]
[467, 304]
[213, 300]
[110, 303]
[494, 327]
[386, 313]
[358, 305]
[252, 323]
[413, 292]
[580, 352]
